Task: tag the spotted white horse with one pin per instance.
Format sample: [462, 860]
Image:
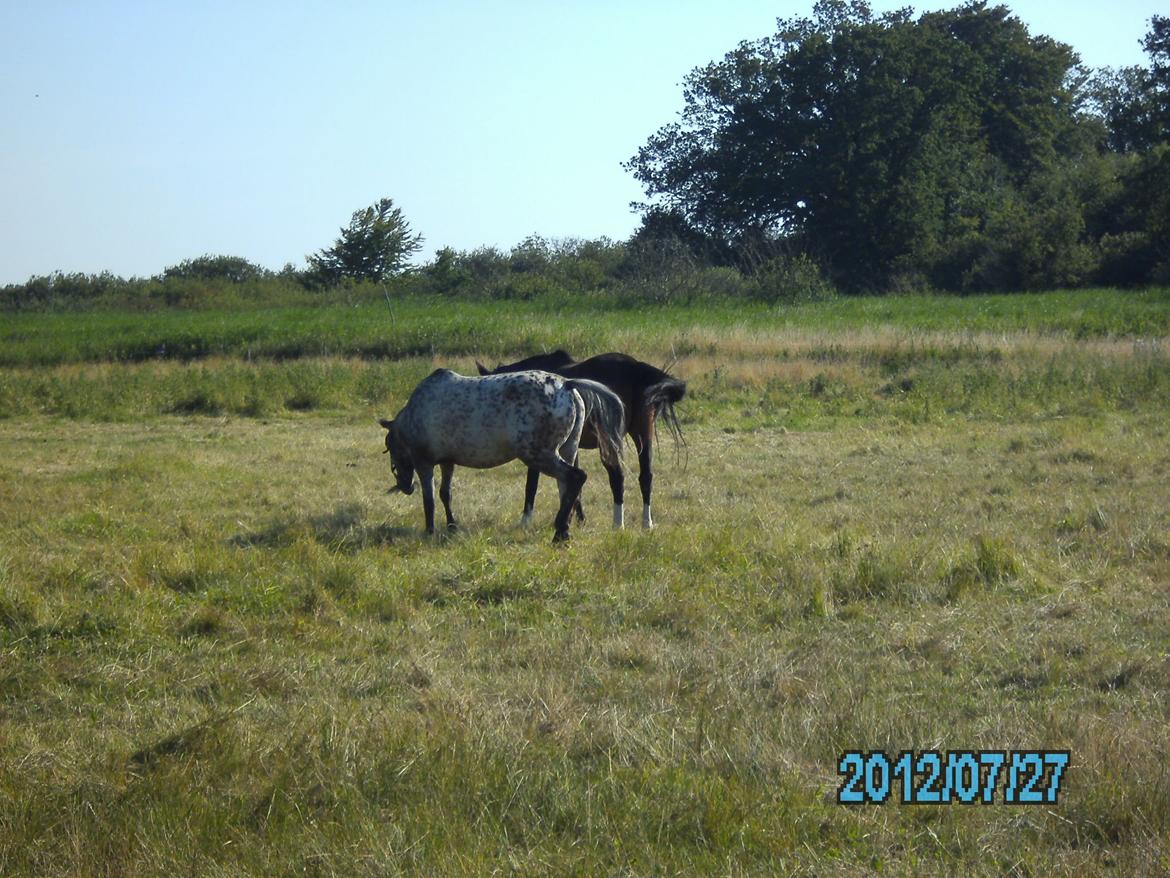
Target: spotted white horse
[535, 416]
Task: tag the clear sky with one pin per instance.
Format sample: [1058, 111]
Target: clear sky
[134, 135]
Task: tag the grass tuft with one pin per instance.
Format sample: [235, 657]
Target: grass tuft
[993, 563]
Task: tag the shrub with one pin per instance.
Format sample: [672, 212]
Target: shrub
[791, 280]
[234, 269]
[62, 289]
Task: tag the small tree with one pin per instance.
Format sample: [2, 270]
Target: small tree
[377, 243]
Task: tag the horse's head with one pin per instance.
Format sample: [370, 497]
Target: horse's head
[400, 462]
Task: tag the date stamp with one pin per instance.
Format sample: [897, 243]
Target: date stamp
[966, 777]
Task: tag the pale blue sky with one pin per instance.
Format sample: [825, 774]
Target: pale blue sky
[138, 134]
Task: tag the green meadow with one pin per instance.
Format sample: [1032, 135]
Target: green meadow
[901, 523]
[365, 326]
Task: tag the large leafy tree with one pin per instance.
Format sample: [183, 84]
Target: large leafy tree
[377, 243]
[1157, 46]
[1134, 102]
[1134, 106]
[874, 143]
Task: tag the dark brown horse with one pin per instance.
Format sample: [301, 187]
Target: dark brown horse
[648, 394]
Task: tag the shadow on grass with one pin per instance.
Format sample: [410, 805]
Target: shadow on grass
[344, 529]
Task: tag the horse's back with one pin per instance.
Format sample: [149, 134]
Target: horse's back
[616, 369]
[550, 362]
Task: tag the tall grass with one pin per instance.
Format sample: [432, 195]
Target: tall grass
[740, 380]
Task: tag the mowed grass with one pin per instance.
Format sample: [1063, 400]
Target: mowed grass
[224, 649]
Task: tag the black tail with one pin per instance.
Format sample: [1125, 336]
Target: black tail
[660, 398]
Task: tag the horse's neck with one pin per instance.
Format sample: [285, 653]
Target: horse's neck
[410, 425]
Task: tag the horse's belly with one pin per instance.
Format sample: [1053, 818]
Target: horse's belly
[486, 453]
[483, 461]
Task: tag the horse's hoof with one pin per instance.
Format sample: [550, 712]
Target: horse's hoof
[452, 527]
[560, 537]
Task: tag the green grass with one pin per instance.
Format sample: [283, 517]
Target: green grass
[224, 649]
[415, 326]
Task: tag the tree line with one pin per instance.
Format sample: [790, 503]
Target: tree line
[848, 152]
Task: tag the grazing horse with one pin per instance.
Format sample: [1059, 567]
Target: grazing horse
[648, 393]
[536, 416]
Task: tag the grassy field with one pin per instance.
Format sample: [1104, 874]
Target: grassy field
[897, 524]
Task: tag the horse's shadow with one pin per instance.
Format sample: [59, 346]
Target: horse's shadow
[345, 529]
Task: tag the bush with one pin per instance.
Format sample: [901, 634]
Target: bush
[447, 274]
[534, 267]
[234, 269]
[68, 290]
[658, 258]
[464, 273]
[532, 255]
[792, 280]
[1125, 259]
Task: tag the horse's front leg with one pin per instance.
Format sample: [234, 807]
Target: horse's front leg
[426, 478]
[530, 495]
[446, 471]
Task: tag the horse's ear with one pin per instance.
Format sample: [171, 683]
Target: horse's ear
[389, 425]
[483, 370]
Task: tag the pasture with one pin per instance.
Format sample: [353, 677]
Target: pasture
[896, 524]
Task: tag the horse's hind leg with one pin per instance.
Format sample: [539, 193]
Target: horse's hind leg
[530, 498]
[617, 485]
[646, 477]
[530, 486]
[570, 477]
[447, 470]
[577, 507]
[570, 480]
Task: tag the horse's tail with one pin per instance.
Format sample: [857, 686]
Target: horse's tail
[603, 409]
[660, 399]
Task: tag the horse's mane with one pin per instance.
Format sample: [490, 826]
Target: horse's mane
[549, 362]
